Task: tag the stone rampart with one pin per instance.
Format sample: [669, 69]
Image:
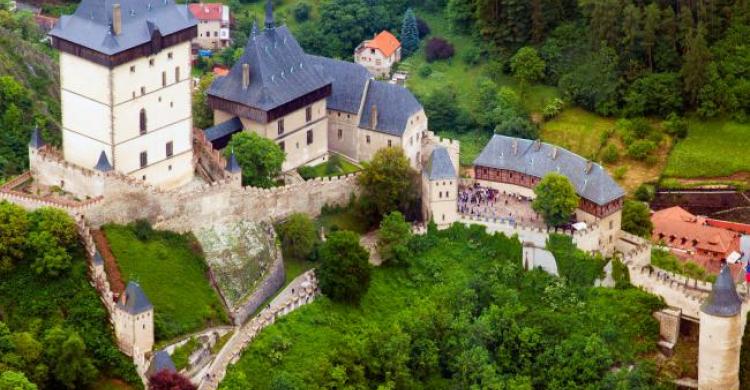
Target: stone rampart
[270, 284]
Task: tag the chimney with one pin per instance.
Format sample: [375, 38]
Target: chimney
[515, 147]
[554, 153]
[373, 116]
[537, 144]
[245, 75]
[589, 166]
[116, 19]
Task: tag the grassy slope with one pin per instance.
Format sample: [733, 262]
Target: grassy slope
[172, 276]
[712, 149]
[317, 329]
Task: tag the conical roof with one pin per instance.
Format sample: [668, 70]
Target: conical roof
[232, 165]
[135, 301]
[724, 300]
[36, 141]
[103, 164]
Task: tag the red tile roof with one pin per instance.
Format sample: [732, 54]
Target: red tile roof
[206, 11]
[741, 228]
[385, 42]
[674, 224]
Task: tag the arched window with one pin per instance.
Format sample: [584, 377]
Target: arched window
[142, 121]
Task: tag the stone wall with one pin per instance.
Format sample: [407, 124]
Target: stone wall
[271, 283]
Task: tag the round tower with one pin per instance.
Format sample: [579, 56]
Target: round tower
[720, 336]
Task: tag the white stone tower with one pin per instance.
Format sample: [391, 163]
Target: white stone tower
[440, 189]
[126, 88]
[134, 322]
[720, 336]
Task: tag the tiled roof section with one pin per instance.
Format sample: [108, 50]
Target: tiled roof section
[161, 361]
[678, 223]
[279, 72]
[723, 301]
[223, 129]
[103, 164]
[90, 25]
[440, 166]
[207, 11]
[385, 42]
[539, 158]
[395, 105]
[348, 82]
[135, 301]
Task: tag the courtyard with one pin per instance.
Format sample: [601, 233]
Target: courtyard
[484, 202]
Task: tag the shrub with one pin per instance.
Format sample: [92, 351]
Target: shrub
[641, 149]
[556, 199]
[553, 108]
[620, 172]
[301, 12]
[142, 229]
[471, 56]
[423, 28]
[298, 236]
[610, 155]
[676, 126]
[306, 172]
[393, 238]
[344, 271]
[438, 49]
[645, 193]
[636, 218]
[425, 71]
[333, 166]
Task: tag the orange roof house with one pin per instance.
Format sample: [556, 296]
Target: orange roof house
[385, 42]
[691, 237]
[379, 54]
[206, 11]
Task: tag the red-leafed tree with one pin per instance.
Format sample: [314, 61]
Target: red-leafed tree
[169, 380]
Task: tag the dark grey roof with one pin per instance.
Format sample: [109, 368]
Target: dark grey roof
[723, 301]
[103, 164]
[349, 80]
[279, 72]
[98, 258]
[232, 165]
[395, 105]
[160, 362]
[90, 25]
[223, 129]
[540, 159]
[135, 300]
[36, 138]
[440, 166]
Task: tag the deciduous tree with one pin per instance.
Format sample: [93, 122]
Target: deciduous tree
[259, 157]
[168, 380]
[556, 199]
[11, 380]
[14, 226]
[388, 184]
[695, 64]
[298, 236]
[636, 218]
[344, 271]
[393, 238]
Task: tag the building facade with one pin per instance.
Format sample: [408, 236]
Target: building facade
[134, 322]
[213, 25]
[440, 188]
[125, 88]
[379, 54]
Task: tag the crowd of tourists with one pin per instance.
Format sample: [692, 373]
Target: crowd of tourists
[495, 204]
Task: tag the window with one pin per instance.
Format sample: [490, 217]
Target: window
[280, 125]
[372, 51]
[440, 194]
[151, 62]
[309, 137]
[308, 114]
[176, 74]
[170, 149]
[367, 139]
[389, 143]
[144, 159]
[216, 33]
[143, 90]
[169, 55]
[142, 121]
[610, 224]
[132, 69]
[341, 134]
[281, 145]
[163, 79]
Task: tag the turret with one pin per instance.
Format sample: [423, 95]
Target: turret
[720, 336]
[234, 170]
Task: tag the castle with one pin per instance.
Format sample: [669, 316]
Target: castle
[129, 149]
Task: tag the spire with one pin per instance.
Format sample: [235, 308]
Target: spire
[103, 164]
[254, 31]
[269, 16]
[232, 165]
[724, 300]
[36, 138]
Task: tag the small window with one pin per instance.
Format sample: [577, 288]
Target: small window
[143, 91]
[308, 114]
[389, 143]
[372, 51]
[282, 145]
[144, 159]
[341, 134]
[280, 125]
[367, 138]
[151, 62]
[170, 149]
[440, 194]
[176, 74]
[142, 121]
[216, 33]
[309, 137]
[163, 79]
[169, 55]
[132, 68]
[611, 224]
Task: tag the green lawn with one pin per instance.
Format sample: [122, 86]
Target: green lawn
[342, 218]
[472, 144]
[345, 167]
[174, 277]
[457, 271]
[577, 130]
[714, 148]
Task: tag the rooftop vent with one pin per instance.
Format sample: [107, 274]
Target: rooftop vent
[589, 167]
[245, 75]
[515, 147]
[116, 19]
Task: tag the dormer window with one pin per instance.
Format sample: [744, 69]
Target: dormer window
[169, 55]
[132, 69]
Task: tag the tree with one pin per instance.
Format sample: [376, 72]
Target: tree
[594, 83]
[57, 223]
[610, 155]
[260, 158]
[298, 236]
[654, 93]
[388, 184]
[409, 33]
[14, 226]
[53, 234]
[695, 64]
[444, 112]
[461, 14]
[652, 17]
[438, 49]
[301, 12]
[203, 116]
[486, 102]
[344, 271]
[527, 66]
[168, 380]
[393, 238]
[66, 355]
[11, 380]
[518, 127]
[636, 218]
[556, 199]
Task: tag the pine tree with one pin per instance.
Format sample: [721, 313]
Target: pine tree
[409, 33]
[685, 26]
[695, 64]
[652, 15]
[631, 31]
[665, 54]
[537, 21]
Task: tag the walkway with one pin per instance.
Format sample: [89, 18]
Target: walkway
[300, 291]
